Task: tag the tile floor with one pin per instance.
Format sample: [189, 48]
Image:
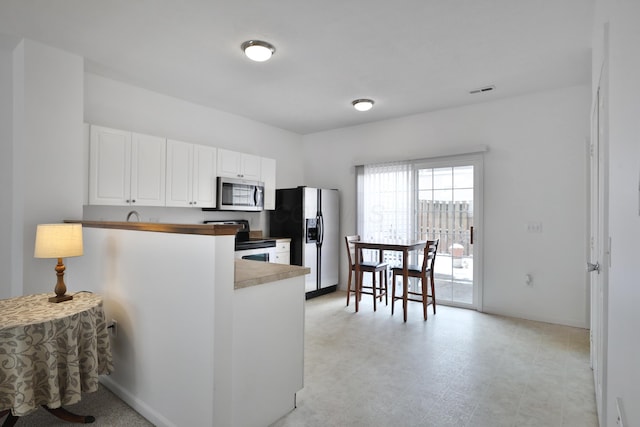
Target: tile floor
[459, 368]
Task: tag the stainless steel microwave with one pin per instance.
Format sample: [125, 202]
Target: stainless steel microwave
[240, 194]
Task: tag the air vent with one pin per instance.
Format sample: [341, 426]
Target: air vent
[482, 89]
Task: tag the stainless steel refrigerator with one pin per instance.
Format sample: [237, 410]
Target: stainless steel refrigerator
[310, 217]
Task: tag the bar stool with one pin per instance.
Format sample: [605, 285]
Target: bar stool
[374, 268]
[420, 272]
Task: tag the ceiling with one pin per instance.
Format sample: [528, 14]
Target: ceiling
[410, 56]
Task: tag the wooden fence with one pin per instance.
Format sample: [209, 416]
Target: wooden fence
[448, 221]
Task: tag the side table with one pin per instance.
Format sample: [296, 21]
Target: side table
[50, 354]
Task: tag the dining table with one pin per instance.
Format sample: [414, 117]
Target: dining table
[51, 353]
[405, 246]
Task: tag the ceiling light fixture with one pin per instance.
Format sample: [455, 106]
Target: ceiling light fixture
[257, 50]
[362, 104]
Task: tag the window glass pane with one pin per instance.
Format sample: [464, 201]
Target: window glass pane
[443, 195]
[463, 195]
[425, 195]
[463, 177]
[442, 178]
[425, 179]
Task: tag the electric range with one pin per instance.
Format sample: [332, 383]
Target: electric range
[245, 246]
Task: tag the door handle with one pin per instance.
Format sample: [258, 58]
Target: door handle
[320, 225]
[471, 229]
[593, 267]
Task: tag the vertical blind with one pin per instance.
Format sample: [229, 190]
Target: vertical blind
[385, 201]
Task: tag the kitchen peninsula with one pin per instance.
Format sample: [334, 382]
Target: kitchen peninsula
[200, 336]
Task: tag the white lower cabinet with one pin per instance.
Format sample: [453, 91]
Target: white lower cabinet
[283, 251]
[191, 175]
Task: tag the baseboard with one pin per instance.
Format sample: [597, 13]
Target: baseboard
[139, 406]
[507, 313]
[319, 292]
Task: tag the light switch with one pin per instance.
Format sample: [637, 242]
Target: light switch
[534, 227]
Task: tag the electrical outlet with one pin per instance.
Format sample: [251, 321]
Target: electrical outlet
[113, 328]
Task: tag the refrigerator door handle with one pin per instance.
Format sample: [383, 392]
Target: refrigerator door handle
[320, 220]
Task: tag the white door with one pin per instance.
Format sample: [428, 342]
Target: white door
[110, 166]
[204, 176]
[251, 166]
[449, 208]
[268, 177]
[229, 163]
[179, 173]
[598, 264]
[148, 167]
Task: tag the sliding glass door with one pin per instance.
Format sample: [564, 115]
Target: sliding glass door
[446, 209]
[429, 199]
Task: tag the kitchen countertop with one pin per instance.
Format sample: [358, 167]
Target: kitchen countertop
[247, 272]
[252, 273]
[205, 229]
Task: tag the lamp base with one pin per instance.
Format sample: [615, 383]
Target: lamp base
[60, 298]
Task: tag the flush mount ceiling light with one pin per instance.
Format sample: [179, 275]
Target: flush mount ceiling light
[257, 50]
[362, 104]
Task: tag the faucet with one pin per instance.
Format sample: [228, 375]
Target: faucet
[133, 213]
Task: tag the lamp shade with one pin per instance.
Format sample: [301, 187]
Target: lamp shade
[58, 241]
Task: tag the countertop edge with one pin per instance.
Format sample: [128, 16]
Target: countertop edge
[203, 229]
[251, 273]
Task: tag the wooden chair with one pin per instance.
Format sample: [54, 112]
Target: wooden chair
[380, 268]
[421, 272]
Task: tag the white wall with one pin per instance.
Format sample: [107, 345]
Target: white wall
[535, 170]
[47, 154]
[46, 148]
[115, 104]
[6, 170]
[622, 367]
[170, 306]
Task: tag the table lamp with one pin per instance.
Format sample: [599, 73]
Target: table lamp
[58, 241]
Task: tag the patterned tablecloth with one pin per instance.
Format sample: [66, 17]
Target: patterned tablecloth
[50, 353]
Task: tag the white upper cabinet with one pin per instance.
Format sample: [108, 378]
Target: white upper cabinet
[132, 169]
[191, 175]
[268, 176]
[233, 164]
[126, 168]
[148, 158]
[204, 176]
